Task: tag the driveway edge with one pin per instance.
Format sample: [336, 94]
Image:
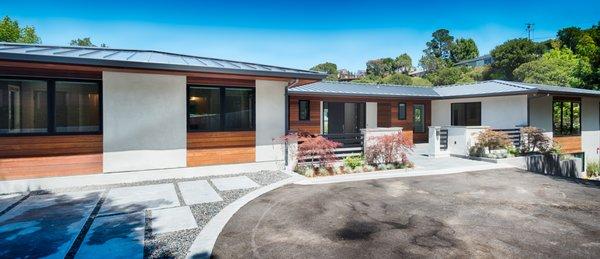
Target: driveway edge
[395, 173]
[205, 241]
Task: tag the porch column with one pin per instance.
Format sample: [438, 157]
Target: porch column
[270, 119]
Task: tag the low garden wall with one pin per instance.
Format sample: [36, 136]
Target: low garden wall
[551, 164]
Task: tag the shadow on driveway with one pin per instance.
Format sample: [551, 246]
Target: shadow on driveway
[500, 213]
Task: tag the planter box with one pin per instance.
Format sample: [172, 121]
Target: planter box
[552, 165]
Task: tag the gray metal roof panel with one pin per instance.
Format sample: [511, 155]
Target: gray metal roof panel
[144, 59]
[360, 89]
[556, 89]
[484, 88]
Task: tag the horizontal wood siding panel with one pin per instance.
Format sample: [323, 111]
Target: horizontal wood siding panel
[384, 113]
[569, 144]
[408, 124]
[44, 156]
[211, 148]
[312, 126]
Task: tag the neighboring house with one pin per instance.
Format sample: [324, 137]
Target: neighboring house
[417, 73]
[80, 110]
[569, 115]
[476, 62]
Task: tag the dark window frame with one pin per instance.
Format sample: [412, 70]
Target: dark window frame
[465, 113]
[51, 102]
[403, 117]
[222, 108]
[562, 101]
[300, 110]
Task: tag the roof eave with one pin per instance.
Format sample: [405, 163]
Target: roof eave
[362, 95]
[154, 66]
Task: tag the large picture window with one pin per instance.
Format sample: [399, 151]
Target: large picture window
[466, 114]
[566, 117]
[220, 108]
[49, 106]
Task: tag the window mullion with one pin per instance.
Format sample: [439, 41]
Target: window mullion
[223, 106]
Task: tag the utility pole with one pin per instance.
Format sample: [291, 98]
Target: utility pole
[529, 28]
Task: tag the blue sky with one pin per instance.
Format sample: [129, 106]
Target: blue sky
[296, 33]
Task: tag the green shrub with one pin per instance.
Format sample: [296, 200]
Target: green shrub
[354, 161]
[492, 140]
[593, 169]
[368, 168]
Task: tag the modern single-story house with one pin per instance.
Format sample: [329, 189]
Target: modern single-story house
[81, 110]
[571, 116]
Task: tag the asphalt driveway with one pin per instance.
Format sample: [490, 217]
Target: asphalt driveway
[500, 213]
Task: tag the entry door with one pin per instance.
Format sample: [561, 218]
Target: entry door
[335, 118]
[419, 118]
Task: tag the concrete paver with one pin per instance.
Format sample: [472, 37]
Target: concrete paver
[45, 225]
[196, 192]
[116, 236]
[138, 198]
[172, 219]
[234, 183]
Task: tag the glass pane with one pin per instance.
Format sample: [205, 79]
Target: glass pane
[556, 117]
[401, 111]
[325, 117]
[23, 106]
[77, 107]
[566, 118]
[204, 108]
[419, 118]
[239, 103]
[576, 118]
[304, 110]
[473, 114]
[458, 114]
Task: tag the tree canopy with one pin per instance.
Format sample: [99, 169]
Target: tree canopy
[85, 42]
[10, 31]
[330, 68]
[556, 67]
[403, 64]
[463, 49]
[512, 53]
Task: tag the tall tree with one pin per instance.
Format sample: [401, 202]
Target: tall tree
[511, 54]
[437, 53]
[381, 67]
[85, 42]
[10, 31]
[463, 49]
[329, 68]
[403, 64]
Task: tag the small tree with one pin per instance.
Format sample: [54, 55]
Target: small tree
[493, 140]
[534, 140]
[388, 149]
[317, 150]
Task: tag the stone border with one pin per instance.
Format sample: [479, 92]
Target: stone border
[395, 173]
[206, 239]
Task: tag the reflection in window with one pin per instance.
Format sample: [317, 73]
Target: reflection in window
[77, 107]
[204, 108]
[566, 117]
[23, 106]
[239, 107]
[419, 118]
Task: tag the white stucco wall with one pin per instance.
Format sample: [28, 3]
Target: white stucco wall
[371, 115]
[496, 112]
[590, 128]
[270, 119]
[144, 121]
[540, 113]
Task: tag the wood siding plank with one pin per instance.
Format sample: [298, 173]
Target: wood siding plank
[212, 148]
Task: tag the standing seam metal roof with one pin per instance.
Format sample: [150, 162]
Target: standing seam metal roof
[148, 59]
[484, 88]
